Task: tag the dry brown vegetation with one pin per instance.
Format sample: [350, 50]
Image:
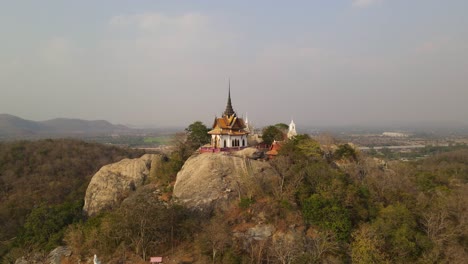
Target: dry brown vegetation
[338, 208]
[44, 175]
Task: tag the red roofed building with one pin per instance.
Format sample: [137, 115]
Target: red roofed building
[228, 131]
[274, 149]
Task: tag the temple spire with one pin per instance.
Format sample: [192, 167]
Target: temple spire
[229, 110]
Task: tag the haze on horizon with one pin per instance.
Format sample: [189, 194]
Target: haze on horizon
[167, 63]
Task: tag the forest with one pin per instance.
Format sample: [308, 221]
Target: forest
[42, 185]
[344, 207]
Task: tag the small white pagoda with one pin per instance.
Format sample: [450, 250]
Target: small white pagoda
[292, 130]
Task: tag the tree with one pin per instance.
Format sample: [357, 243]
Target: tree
[327, 214]
[398, 227]
[367, 246]
[216, 237]
[327, 143]
[310, 148]
[45, 224]
[283, 127]
[346, 151]
[301, 148]
[286, 248]
[322, 248]
[197, 134]
[147, 225]
[272, 133]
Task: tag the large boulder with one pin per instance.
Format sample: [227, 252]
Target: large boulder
[211, 180]
[114, 182]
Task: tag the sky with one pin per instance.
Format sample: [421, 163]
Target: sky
[168, 63]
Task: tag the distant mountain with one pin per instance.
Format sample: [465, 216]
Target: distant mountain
[65, 125]
[13, 126]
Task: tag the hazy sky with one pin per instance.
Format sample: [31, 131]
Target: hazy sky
[165, 63]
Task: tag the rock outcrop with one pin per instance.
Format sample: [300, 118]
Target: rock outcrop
[114, 182]
[213, 179]
[58, 254]
[251, 153]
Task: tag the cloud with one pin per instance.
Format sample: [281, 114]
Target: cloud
[364, 3]
[175, 36]
[154, 22]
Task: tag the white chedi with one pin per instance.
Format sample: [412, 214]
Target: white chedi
[292, 130]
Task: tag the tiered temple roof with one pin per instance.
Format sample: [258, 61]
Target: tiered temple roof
[228, 126]
[229, 123]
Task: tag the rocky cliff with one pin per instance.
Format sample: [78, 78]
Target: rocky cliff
[218, 183]
[213, 179]
[114, 182]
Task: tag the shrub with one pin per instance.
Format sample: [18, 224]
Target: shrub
[246, 202]
[327, 214]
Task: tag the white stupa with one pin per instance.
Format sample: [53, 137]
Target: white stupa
[292, 130]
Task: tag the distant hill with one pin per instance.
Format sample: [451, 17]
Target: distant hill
[13, 126]
[437, 128]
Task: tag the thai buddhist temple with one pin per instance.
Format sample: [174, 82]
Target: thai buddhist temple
[228, 131]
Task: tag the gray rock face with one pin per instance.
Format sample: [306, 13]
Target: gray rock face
[114, 182]
[213, 179]
[260, 232]
[251, 153]
[56, 255]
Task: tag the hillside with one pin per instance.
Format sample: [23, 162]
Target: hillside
[297, 208]
[301, 207]
[46, 175]
[15, 127]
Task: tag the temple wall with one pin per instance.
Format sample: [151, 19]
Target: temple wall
[226, 141]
